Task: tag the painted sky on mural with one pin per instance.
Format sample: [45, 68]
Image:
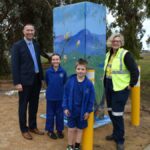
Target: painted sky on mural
[76, 12]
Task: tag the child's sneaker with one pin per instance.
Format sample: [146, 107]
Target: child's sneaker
[52, 135]
[60, 135]
[69, 147]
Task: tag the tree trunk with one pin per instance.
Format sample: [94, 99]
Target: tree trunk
[4, 65]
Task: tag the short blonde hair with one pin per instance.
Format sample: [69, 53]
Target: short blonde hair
[110, 39]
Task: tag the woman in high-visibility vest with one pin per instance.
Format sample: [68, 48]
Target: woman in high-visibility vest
[121, 73]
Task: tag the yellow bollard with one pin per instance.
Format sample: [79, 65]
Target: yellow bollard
[135, 103]
[91, 75]
[87, 140]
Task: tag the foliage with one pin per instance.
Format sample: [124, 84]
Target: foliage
[15, 13]
[147, 4]
[130, 23]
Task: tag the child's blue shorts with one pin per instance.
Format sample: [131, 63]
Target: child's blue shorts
[76, 122]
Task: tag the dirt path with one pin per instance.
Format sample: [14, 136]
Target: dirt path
[137, 138]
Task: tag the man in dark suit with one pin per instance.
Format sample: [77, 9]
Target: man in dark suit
[27, 76]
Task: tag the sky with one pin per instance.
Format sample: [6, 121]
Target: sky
[146, 26]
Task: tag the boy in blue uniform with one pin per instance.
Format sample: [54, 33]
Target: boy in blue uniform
[55, 79]
[78, 102]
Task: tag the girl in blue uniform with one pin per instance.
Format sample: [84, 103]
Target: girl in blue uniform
[78, 102]
[55, 79]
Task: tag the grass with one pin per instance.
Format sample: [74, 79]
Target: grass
[145, 67]
[145, 77]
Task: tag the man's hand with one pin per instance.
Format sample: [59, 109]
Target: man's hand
[67, 113]
[86, 116]
[19, 87]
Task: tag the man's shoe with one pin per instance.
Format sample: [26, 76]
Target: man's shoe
[120, 146]
[27, 135]
[52, 135]
[109, 138]
[36, 131]
[60, 135]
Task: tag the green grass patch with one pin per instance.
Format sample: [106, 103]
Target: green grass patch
[145, 67]
[145, 76]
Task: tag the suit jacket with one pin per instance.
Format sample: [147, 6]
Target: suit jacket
[22, 63]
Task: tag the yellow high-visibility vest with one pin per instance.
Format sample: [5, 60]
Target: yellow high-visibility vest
[119, 72]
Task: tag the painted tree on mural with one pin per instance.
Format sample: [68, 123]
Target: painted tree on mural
[15, 13]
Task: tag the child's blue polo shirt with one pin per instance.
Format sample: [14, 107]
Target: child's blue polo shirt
[55, 81]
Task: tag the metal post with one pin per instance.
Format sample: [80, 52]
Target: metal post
[135, 103]
[87, 140]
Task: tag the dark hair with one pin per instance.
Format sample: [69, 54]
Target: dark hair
[81, 61]
[55, 54]
[28, 24]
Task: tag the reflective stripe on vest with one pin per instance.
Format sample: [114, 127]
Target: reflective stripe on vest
[121, 71]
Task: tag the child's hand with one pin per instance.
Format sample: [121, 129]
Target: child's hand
[86, 116]
[67, 113]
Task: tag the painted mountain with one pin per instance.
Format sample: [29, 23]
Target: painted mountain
[84, 42]
[80, 32]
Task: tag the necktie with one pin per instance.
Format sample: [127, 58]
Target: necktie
[32, 51]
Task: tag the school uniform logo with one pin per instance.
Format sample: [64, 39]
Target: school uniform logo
[61, 75]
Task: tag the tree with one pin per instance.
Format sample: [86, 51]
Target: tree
[147, 4]
[8, 19]
[14, 14]
[129, 16]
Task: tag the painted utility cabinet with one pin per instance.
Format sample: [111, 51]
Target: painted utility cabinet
[80, 32]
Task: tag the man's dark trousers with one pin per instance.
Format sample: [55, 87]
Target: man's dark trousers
[29, 96]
